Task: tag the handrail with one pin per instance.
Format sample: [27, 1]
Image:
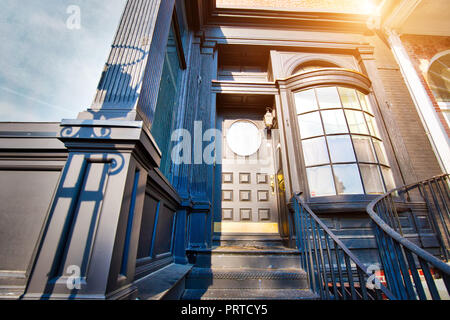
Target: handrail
[331, 263]
[399, 256]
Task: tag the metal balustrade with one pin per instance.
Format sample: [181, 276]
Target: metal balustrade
[403, 261]
[334, 272]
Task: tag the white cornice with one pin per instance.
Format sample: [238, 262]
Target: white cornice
[400, 14]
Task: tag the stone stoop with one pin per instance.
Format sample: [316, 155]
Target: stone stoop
[247, 273]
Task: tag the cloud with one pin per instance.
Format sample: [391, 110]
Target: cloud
[43, 64]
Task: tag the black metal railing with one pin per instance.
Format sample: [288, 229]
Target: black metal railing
[334, 272]
[412, 273]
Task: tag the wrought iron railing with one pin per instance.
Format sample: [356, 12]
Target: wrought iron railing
[334, 272]
[403, 261]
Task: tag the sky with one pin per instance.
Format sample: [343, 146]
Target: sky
[51, 57]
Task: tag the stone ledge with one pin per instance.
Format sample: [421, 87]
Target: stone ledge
[158, 284]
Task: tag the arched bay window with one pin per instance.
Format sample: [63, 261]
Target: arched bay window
[342, 148]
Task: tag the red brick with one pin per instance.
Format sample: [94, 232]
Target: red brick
[354, 6]
[425, 48]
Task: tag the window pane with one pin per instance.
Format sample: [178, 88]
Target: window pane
[347, 179]
[341, 149]
[310, 125]
[388, 178]
[320, 181]
[164, 117]
[372, 124]
[372, 179]
[306, 101]
[364, 149]
[244, 138]
[328, 98]
[334, 121]
[364, 102]
[315, 151]
[381, 152]
[356, 122]
[349, 98]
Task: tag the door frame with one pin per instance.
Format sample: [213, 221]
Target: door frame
[255, 88]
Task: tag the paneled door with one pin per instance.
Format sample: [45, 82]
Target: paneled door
[249, 185]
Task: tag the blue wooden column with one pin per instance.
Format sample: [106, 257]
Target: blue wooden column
[129, 85]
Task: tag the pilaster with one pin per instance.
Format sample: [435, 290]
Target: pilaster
[89, 244]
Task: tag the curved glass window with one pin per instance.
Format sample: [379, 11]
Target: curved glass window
[341, 144]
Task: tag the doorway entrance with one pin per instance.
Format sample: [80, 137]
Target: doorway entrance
[247, 182]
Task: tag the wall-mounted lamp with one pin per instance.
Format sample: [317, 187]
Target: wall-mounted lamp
[269, 118]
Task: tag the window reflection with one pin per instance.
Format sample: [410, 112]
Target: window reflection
[356, 122]
[349, 98]
[315, 152]
[372, 179]
[364, 149]
[341, 149]
[381, 152]
[328, 98]
[306, 101]
[347, 179]
[334, 121]
[373, 129]
[364, 103]
[341, 143]
[388, 178]
[320, 181]
[310, 125]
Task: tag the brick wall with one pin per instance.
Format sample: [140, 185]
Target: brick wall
[408, 122]
[421, 50]
[350, 6]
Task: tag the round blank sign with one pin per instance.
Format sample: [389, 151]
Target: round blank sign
[244, 138]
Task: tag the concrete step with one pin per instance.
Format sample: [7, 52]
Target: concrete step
[248, 240]
[245, 278]
[246, 257]
[249, 294]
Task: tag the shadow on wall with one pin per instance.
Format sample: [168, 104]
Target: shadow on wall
[83, 185]
[117, 91]
[82, 194]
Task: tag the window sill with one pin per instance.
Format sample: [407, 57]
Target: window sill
[347, 204]
[341, 204]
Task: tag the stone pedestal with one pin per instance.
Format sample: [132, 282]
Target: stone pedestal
[89, 243]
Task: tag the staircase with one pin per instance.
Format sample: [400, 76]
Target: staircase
[247, 271]
[323, 267]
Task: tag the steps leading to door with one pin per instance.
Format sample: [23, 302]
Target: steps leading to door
[230, 278]
[249, 294]
[246, 258]
[250, 272]
[248, 240]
